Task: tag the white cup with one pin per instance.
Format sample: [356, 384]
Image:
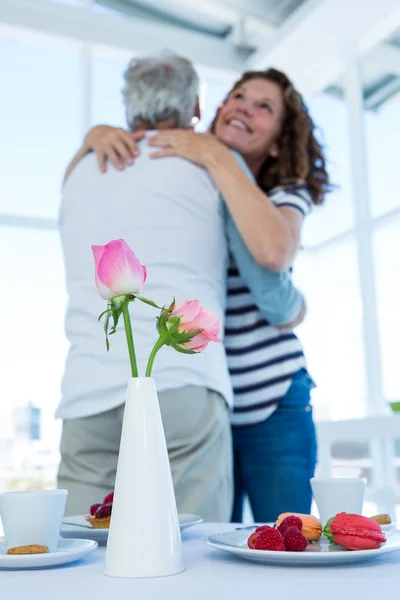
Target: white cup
[338, 494]
[32, 517]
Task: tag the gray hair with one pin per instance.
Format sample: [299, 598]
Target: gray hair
[163, 88]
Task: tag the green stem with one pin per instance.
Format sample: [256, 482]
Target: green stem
[159, 344]
[129, 338]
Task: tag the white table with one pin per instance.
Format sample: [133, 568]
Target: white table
[210, 574]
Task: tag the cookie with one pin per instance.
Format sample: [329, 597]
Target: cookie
[382, 519]
[29, 549]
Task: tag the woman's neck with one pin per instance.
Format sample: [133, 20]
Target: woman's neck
[254, 164]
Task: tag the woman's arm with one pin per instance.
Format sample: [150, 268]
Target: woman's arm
[271, 234]
[275, 295]
[109, 143]
[278, 300]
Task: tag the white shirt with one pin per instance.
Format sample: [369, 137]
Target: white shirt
[167, 211]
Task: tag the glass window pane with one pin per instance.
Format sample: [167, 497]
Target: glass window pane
[386, 247]
[32, 354]
[107, 82]
[214, 87]
[383, 151]
[337, 215]
[68, 2]
[40, 119]
[332, 331]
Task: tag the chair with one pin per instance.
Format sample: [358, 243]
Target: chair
[380, 433]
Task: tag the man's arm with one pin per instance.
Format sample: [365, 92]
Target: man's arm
[273, 292]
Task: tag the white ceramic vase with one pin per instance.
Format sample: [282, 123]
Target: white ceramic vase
[144, 538]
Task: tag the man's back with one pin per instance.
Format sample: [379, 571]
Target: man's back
[167, 211]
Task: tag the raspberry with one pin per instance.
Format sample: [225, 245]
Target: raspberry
[261, 528]
[294, 540]
[291, 521]
[269, 539]
[93, 508]
[252, 539]
[109, 498]
[103, 511]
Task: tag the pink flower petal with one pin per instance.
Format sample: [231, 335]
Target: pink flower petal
[103, 290]
[196, 318]
[198, 340]
[187, 310]
[120, 270]
[208, 320]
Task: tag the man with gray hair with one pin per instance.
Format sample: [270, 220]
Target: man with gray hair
[169, 213]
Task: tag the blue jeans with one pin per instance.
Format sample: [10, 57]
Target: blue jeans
[275, 459]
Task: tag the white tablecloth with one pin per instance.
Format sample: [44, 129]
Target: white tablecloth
[210, 574]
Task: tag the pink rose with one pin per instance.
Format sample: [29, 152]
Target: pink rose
[118, 271]
[195, 317]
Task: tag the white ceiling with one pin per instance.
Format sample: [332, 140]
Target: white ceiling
[213, 17]
[255, 26]
[380, 71]
[310, 39]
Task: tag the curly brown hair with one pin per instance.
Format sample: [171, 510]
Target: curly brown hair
[300, 159]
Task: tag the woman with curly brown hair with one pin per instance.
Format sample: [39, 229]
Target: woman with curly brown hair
[265, 120]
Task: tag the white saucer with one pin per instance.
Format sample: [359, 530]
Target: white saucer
[388, 527]
[316, 554]
[67, 551]
[77, 526]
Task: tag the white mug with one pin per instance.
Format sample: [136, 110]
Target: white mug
[32, 517]
[338, 494]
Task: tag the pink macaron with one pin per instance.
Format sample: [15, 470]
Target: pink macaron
[355, 532]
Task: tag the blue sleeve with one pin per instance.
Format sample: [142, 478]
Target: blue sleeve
[274, 293]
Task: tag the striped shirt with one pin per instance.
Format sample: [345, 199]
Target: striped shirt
[262, 359]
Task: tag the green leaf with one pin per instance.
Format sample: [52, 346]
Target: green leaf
[182, 338]
[158, 326]
[116, 313]
[102, 315]
[182, 350]
[106, 322]
[149, 302]
[172, 324]
[172, 305]
[117, 302]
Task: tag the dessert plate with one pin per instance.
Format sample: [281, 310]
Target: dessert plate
[388, 528]
[77, 526]
[320, 553]
[67, 551]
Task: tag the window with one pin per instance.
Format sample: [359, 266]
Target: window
[214, 88]
[332, 331]
[32, 352]
[40, 119]
[383, 152]
[68, 2]
[107, 81]
[337, 215]
[386, 247]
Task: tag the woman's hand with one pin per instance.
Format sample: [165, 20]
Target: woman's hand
[199, 148]
[114, 144]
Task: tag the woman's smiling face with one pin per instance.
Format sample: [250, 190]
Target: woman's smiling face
[250, 120]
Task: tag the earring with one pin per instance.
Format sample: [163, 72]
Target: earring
[273, 153]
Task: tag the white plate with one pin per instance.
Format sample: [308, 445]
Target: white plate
[388, 527]
[322, 553]
[77, 526]
[67, 551]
